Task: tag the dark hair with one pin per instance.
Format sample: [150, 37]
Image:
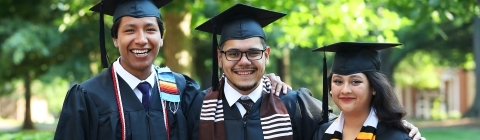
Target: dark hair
[116, 24]
[387, 107]
[264, 44]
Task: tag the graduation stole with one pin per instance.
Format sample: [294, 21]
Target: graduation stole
[168, 93]
[274, 117]
[334, 131]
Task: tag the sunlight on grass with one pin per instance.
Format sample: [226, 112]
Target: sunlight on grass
[28, 135]
[451, 133]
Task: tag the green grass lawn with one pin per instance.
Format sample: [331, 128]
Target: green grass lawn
[446, 133]
[27, 135]
[451, 133]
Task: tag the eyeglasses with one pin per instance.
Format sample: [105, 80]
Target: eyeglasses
[237, 55]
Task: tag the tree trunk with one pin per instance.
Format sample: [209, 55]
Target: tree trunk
[474, 110]
[283, 66]
[177, 48]
[27, 121]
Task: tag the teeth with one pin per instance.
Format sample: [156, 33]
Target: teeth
[139, 51]
[244, 73]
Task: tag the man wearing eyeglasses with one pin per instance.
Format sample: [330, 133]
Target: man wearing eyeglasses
[239, 107]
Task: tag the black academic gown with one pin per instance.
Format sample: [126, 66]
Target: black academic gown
[384, 132]
[304, 110]
[90, 111]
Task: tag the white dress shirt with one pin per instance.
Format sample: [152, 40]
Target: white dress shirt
[133, 81]
[233, 95]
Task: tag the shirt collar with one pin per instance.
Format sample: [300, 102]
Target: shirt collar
[233, 95]
[131, 80]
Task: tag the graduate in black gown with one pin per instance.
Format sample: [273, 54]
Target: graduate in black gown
[369, 107]
[238, 107]
[132, 99]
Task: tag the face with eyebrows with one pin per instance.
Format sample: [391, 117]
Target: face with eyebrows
[243, 75]
[138, 41]
[351, 93]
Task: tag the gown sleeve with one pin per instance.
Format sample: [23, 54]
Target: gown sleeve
[308, 114]
[192, 100]
[77, 115]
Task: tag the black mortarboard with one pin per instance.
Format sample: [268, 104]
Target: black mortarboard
[120, 8]
[237, 22]
[351, 57]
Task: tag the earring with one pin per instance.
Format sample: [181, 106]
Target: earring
[330, 92]
[374, 92]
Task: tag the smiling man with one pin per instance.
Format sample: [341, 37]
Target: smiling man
[239, 106]
[132, 99]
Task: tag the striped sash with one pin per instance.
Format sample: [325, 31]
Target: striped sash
[274, 117]
[334, 131]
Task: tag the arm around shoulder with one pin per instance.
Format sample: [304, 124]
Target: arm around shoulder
[308, 113]
[192, 100]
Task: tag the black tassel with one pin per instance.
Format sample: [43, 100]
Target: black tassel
[215, 79]
[103, 51]
[325, 90]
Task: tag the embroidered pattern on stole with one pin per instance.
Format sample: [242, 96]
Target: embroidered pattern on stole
[168, 88]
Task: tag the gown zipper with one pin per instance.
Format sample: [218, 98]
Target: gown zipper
[245, 117]
[148, 122]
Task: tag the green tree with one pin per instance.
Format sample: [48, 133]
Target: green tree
[53, 37]
[444, 28]
[27, 37]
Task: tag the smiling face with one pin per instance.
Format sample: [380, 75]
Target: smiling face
[351, 93]
[244, 75]
[138, 41]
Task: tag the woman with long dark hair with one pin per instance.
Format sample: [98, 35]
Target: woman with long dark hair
[369, 107]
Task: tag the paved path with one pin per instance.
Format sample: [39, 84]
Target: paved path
[15, 128]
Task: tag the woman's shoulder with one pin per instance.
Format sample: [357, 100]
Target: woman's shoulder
[320, 130]
[386, 131]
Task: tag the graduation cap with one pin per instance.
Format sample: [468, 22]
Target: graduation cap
[121, 8]
[237, 22]
[350, 58]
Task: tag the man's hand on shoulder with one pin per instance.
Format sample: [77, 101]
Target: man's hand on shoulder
[414, 132]
[277, 84]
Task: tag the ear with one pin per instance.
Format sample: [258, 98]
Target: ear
[115, 42]
[267, 54]
[160, 43]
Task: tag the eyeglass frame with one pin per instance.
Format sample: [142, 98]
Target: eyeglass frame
[241, 54]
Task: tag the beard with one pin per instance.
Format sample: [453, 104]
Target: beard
[245, 87]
